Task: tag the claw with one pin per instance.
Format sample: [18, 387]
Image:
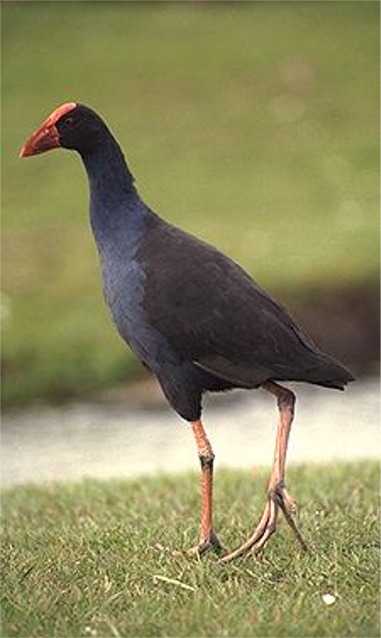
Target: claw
[278, 499]
[210, 544]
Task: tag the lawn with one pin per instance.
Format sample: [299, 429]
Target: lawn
[253, 125]
[106, 559]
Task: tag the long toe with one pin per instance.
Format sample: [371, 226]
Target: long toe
[265, 528]
[278, 499]
[290, 509]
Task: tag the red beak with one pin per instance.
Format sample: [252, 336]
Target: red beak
[46, 136]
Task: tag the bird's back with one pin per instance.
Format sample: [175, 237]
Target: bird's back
[214, 315]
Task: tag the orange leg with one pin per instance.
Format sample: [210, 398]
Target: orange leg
[278, 496]
[208, 538]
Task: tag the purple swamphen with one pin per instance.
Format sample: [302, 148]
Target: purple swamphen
[192, 316]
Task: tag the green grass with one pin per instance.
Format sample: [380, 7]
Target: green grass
[253, 125]
[100, 559]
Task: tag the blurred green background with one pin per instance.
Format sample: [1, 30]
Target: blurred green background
[252, 125]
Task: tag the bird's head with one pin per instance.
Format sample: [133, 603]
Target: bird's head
[71, 125]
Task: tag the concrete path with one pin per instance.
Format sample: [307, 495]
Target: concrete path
[102, 441]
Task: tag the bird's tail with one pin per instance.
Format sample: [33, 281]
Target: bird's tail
[329, 373]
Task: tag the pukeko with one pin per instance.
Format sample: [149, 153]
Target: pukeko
[194, 317]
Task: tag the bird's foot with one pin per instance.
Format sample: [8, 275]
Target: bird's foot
[278, 499]
[207, 544]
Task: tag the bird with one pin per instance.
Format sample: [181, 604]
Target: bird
[196, 319]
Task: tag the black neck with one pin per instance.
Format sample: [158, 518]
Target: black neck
[116, 210]
[111, 181]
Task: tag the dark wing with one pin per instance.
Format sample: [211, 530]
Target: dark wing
[216, 316]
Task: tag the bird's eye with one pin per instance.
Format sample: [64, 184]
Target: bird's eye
[69, 120]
